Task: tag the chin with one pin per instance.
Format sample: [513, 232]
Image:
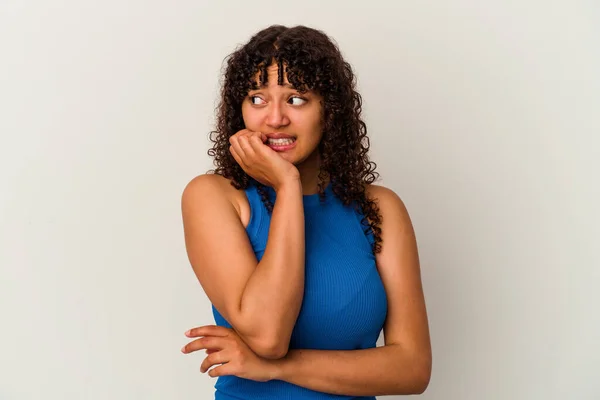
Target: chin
[288, 156]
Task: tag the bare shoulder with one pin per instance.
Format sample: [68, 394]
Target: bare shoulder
[212, 184]
[205, 186]
[390, 204]
[205, 189]
[380, 191]
[397, 231]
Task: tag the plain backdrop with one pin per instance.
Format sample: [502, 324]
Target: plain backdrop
[483, 116]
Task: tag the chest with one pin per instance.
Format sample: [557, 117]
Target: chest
[344, 304]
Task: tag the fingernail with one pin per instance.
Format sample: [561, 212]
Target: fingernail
[183, 349]
[187, 333]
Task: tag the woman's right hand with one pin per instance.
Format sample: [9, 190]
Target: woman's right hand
[260, 161]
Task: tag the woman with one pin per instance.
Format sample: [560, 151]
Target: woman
[304, 259]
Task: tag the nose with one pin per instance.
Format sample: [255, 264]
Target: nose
[277, 116]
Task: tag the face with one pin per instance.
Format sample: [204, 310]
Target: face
[292, 120]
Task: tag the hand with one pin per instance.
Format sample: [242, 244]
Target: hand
[224, 346]
[260, 161]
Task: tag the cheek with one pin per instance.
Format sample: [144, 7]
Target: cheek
[310, 123]
[251, 118]
[317, 122]
[317, 129]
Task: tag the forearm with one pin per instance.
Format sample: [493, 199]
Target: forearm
[273, 295]
[387, 370]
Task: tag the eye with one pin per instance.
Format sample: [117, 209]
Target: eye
[297, 101]
[256, 100]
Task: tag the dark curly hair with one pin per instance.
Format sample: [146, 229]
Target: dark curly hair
[312, 62]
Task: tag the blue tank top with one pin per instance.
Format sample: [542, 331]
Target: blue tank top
[344, 305]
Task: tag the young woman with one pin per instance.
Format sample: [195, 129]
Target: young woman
[304, 259]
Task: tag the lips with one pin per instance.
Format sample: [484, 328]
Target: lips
[282, 144]
[279, 136]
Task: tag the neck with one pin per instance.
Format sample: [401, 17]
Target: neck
[309, 174]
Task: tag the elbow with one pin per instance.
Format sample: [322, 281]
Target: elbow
[267, 342]
[275, 352]
[417, 381]
[421, 384]
[271, 349]
[422, 375]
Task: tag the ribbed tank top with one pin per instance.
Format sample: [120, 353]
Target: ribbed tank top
[344, 305]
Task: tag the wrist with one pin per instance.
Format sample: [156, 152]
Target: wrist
[278, 369]
[292, 185]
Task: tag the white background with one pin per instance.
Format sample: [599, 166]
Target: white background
[483, 116]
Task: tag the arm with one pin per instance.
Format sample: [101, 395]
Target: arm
[403, 365]
[387, 370]
[261, 300]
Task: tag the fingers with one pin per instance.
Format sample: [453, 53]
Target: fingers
[211, 343]
[235, 143]
[241, 143]
[244, 143]
[222, 370]
[238, 158]
[262, 150]
[251, 153]
[220, 348]
[208, 330]
[261, 136]
[257, 144]
[247, 133]
[219, 357]
[211, 337]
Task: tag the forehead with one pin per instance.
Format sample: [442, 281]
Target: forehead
[272, 77]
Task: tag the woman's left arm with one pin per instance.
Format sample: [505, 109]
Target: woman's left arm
[403, 365]
[387, 370]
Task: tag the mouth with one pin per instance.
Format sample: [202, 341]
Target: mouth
[281, 144]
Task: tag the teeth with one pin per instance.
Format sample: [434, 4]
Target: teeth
[281, 141]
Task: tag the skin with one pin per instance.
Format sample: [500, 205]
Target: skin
[280, 108]
[403, 364]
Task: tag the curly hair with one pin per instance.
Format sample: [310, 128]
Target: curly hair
[312, 61]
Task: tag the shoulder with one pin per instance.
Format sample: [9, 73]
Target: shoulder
[209, 190]
[206, 185]
[387, 200]
[378, 192]
[393, 211]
